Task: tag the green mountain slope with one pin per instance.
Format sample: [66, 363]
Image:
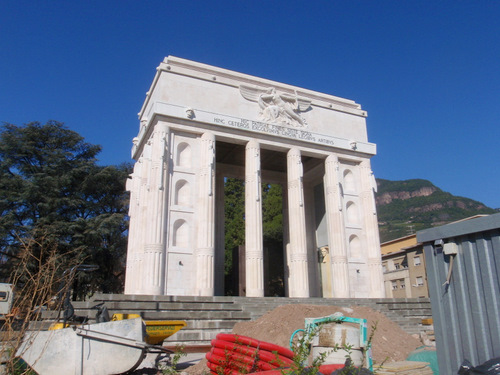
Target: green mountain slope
[405, 207]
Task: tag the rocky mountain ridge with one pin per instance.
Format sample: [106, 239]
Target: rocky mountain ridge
[405, 207]
[388, 197]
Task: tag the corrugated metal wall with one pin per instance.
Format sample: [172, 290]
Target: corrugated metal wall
[466, 312]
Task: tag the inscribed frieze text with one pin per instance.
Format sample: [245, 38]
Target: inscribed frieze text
[279, 130]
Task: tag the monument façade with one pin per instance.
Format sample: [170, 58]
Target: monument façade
[201, 124]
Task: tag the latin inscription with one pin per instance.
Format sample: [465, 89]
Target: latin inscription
[279, 130]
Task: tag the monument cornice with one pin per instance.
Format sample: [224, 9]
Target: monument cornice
[280, 132]
[175, 65]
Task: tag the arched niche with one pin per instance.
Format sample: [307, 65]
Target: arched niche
[354, 246]
[182, 195]
[181, 234]
[184, 155]
[352, 213]
[349, 181]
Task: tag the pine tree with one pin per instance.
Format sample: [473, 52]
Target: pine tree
[53, 193]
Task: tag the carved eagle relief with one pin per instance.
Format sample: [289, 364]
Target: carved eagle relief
[277, 108]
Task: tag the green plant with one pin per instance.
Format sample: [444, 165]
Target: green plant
[170, 368]
[21, 368]
[229, 363]
[349, 368]
[302, 350]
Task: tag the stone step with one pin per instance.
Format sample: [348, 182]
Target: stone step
[207, 316]
[425, 312]
[98, 297]
[211, 324]
[201, 337]
[399, 306]
[199, 315]
[159, 305]
[213, 315]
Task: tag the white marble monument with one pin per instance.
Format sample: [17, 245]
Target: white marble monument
[201, 124]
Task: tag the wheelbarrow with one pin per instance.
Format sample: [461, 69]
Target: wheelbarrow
[109, 346]
[100, 348]
[113, 347]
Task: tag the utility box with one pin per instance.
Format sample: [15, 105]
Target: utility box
[463, 273]
[6, 298]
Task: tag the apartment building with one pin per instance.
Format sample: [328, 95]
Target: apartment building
[403, 265]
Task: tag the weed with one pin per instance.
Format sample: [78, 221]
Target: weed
[302, 350]
[35, 280]
[170, 368]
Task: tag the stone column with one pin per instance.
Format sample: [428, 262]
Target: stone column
[133, 185]
[254, 248]
[205, 250]
[286, 240]
[299, 280]
[374, 259]
[336, 228]
[155, 220]
[145, 161]
[135, 248]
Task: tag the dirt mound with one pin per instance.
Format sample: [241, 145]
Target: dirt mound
[390, 343]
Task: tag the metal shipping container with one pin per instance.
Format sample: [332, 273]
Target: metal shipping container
[463, 273]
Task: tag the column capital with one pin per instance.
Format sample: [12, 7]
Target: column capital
[293, 152]
[252, 144]
[162, 126]
[208, 136]
[332, 158]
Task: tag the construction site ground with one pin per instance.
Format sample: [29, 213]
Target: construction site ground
[389, 342]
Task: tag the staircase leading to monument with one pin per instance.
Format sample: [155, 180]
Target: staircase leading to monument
[208, 316]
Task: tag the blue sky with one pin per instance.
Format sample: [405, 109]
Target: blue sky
[427, 72]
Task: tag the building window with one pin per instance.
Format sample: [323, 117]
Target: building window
[384, 268]
[416, 261]
[402, 284]
[420, 281]
[397, 266]
[394, 284]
